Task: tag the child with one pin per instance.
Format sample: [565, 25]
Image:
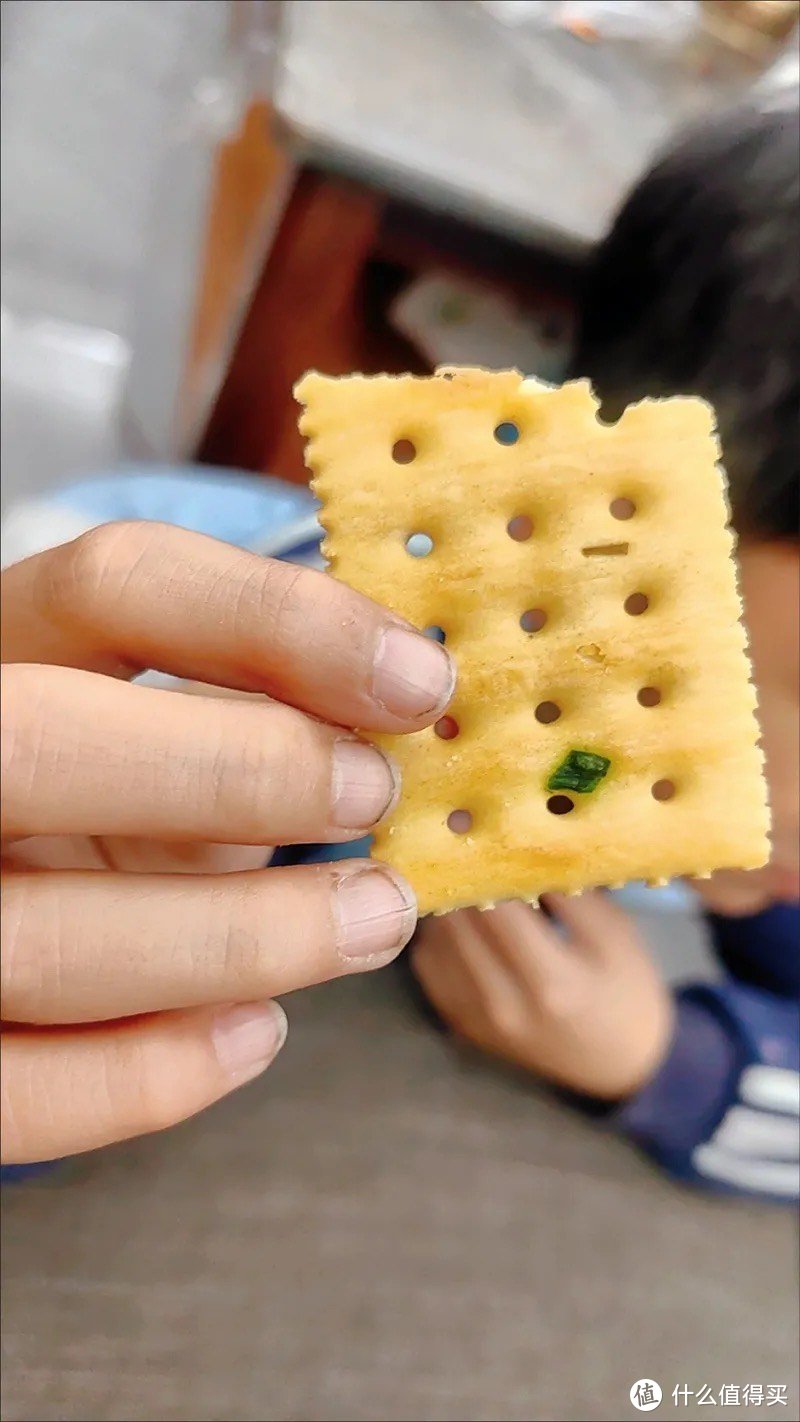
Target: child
[696, 290]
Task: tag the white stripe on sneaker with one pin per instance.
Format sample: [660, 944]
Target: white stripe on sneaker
[768, 1177]
[771, 1089]
[758, 1133]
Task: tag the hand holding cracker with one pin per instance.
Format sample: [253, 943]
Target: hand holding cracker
[139, 968]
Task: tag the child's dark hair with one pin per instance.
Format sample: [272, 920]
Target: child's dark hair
[696, 290]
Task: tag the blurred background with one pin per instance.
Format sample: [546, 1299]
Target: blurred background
[201, 199]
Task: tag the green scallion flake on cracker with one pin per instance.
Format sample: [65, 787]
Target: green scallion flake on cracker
[581, 771]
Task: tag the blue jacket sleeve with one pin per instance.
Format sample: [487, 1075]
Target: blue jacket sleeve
[723, 1111]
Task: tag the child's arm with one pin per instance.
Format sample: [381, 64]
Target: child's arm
[709, 1077]
[722, 1110]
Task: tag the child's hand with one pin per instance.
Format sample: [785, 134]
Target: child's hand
[585, 1009]
[164, 793]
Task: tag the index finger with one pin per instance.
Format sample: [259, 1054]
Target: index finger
[128, 597]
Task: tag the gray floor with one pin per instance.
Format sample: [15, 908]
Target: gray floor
[384, 1228]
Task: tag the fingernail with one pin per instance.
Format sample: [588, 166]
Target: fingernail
[376, 912]
[248, 1037]
[365, 785]
[413, 675]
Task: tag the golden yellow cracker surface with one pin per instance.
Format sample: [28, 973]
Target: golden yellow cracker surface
[582, 574]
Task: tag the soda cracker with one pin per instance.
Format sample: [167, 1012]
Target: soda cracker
[603, 725]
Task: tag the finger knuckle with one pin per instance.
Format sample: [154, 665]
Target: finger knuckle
[21, 976]
[78, 579]
[37, 740]
[237, 946]
[271, 765]
[32, 963]
[278, 596]
[20, 704]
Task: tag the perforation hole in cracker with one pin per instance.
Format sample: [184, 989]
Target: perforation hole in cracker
[435, 633]
[622, 508]
[404, 451]
[547, 712]
[664, 790]
[533, 619]
[447, 728]
[655, 771]
[560, 805]
[636, 604]
[520, 528]
[507, 432]
[649, 696]
[419, 545]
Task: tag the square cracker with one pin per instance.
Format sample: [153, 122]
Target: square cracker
[591, 658]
